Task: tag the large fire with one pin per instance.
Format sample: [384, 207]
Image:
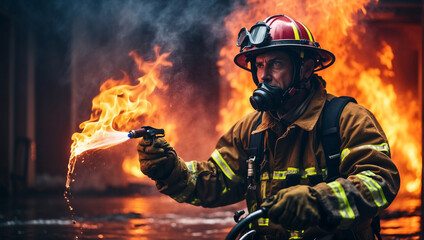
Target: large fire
[368, 79]
[123, 105]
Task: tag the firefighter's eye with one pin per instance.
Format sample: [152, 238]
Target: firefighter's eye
[259, 65]
[276, 64]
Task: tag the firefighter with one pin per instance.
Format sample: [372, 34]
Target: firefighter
[292, 179]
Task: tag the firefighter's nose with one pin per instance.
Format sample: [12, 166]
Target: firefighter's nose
[265, 75]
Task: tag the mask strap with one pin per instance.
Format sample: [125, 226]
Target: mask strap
[254, 70]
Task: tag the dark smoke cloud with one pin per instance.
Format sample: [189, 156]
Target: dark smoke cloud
[104, 32]
[99, 34]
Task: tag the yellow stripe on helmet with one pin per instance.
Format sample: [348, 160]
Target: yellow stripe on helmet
[296, 32]
[309, 32]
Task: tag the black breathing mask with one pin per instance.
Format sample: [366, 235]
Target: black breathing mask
[268, 98]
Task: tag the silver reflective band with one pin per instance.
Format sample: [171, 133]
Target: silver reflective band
[384, 147]
[345, 209]
[224, 167]
[191, 185]
[334, 156]
[375, 189]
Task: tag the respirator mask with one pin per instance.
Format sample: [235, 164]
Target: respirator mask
[269, 98]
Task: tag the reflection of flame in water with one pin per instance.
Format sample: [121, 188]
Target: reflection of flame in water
[121, 107]
[335, 28]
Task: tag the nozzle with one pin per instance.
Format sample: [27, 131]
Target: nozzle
[147, 133]
[137, 133]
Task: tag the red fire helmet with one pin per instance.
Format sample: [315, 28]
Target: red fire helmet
[279, 32]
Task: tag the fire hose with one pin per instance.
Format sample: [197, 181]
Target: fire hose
[260, 213]
[151, 133]
[244, 223]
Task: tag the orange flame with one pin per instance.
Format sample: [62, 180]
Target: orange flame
[130, 166]
[336, 27]
[120, 107]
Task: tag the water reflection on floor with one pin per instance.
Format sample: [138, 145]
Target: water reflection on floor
[152, 217]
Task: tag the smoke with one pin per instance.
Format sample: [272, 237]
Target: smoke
[94, 39]
[102, 35]
[104, 32]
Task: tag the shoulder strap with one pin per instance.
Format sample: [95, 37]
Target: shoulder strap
[330, 135]
[256, 147]
[330, 138]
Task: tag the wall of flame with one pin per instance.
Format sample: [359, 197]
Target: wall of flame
[368, 77]
[335, 24]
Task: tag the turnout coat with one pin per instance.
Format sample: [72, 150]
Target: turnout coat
[368, 182]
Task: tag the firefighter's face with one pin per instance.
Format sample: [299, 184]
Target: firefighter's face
[275, 68]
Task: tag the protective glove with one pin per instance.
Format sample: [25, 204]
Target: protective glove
[157, 158]
[295, 208]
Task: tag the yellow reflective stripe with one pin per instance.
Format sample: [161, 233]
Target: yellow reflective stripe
[345, 209]
[279, 175]
[265, 176]
[224, 167]
[253, 207]
[309, 32]
[191, 166]
[324, 173]
[310, 171]
[295, 31]
[263, 189]
[375, 189]
[263, 221]
[196, 202]
[191, 184]
[224, 191]
[291, 170]
[384, 147]
[345, 152]
[296, 234]
[368, 173]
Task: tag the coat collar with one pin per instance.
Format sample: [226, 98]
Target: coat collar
[306, 121]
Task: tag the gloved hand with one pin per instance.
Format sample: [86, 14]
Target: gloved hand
[157, 158]
[295, 208]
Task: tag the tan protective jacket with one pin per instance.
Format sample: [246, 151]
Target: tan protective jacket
[368, 184]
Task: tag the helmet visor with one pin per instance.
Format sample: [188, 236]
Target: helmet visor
[258, 35]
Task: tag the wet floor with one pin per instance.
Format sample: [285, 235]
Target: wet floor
[150, 217]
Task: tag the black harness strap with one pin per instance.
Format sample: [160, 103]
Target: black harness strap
[256, 148]
[330, 135]
[330, 138]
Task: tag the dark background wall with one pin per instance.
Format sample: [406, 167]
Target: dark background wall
[55, 54]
